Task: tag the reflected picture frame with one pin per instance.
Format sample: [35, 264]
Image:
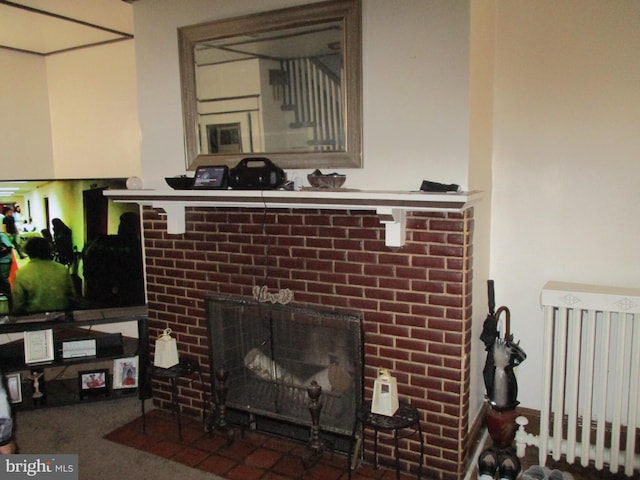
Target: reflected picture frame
[93, 383]
[224, 138]
[14, 387]
[125, 373]
[38, 346]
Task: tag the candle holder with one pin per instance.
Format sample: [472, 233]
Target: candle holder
[217, 418]
[315, 446]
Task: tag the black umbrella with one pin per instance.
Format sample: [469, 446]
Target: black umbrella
[502, 395]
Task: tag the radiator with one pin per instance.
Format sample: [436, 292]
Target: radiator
[591, 365]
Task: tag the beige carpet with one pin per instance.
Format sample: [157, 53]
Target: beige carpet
[80, 429]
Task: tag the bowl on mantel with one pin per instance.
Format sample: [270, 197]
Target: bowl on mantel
[181, 182]
[317, 179]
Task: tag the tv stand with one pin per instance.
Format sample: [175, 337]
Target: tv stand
[84, 341]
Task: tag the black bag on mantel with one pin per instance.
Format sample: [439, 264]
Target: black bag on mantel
[262, 174]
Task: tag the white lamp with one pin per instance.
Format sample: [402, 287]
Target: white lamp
[385, 394]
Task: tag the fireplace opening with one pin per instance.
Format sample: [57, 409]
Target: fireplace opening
[273, 352]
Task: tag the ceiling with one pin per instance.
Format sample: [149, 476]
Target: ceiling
[45, 27]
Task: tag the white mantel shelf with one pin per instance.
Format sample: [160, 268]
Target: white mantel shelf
[391, 206]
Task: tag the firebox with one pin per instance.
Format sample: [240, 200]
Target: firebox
[273, 352]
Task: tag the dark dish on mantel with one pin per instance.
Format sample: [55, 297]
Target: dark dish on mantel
[181, 182]
[317, 179]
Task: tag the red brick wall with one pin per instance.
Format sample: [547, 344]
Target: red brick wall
[416, 300]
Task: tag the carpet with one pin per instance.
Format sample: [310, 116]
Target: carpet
[81, 429]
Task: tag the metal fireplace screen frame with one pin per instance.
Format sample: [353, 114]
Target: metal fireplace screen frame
[272, 353]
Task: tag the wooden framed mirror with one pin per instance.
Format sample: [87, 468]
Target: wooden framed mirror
[284, 84]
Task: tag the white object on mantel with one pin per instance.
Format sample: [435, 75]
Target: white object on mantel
[391, 206]
[385, 394]
[134, 183]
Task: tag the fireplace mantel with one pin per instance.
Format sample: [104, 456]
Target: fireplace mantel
[391, 206]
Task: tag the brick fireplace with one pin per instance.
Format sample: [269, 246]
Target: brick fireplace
[415, 300]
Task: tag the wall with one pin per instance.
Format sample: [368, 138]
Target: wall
[566, 157]
[419, 121]
[416, 93]
[94, 107]
[483, 38]
[25, 124]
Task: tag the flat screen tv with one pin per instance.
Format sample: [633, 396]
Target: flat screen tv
[102, 248]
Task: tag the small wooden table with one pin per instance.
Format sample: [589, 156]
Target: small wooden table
[407, 417]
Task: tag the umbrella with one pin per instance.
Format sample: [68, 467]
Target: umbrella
[502, 355]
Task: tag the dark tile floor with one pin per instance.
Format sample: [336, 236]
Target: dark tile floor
[252, 457]
[265, 457]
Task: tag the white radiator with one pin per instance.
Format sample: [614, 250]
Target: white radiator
[591, 375]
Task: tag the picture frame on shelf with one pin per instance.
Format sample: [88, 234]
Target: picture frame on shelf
[14, 387]
[38, 346]
[224, 138]
[125, 372]
[93, 383]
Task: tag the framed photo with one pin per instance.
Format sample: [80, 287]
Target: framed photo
[93, 382]
[125, 372]
[14, 388]
[79, 348]
[38, 346]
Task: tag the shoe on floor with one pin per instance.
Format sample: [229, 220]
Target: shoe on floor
[487, 464]
[557, 475]
[509, 467]
[535, 472]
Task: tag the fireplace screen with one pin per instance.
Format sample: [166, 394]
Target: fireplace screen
[273, 352]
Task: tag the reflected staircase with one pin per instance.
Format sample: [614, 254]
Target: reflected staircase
[314, 94]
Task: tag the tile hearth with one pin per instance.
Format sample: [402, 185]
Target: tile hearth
[252, 457]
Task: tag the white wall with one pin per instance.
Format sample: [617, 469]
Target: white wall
[482, 66]
[566, 158]
[418, 122]
[94, 112]
[25, 126]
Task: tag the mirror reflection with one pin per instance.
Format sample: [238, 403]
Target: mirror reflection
[284, 84]
[65, 246]
[271, 92]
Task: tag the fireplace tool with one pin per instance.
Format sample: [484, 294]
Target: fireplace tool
[316, 446]
[217, 417]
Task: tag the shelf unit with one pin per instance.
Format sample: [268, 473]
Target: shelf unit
[59, 381]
